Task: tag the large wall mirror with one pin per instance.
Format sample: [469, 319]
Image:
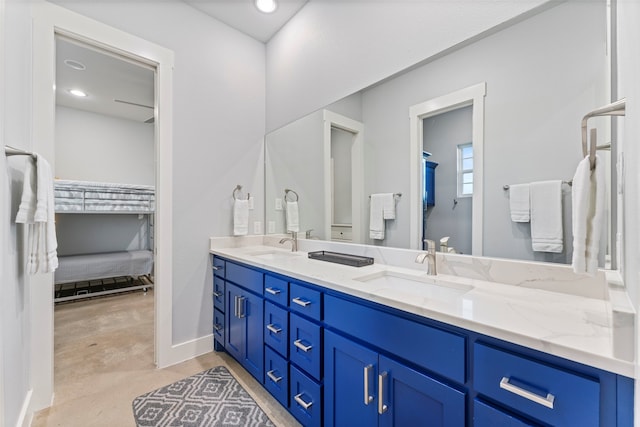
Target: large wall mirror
[541, 75]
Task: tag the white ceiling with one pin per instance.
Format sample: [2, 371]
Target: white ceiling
[109, 77]
[245, 17]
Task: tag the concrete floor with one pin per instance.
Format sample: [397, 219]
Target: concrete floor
[104, 359]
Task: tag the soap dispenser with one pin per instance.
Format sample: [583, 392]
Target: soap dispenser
[444, 244]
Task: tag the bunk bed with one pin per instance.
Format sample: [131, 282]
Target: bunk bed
[94, 274]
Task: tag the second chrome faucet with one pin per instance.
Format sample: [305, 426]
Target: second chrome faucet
[430, 257]
[293, 239]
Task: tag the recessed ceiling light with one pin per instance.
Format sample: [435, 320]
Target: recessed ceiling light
[74, 64]
[77, 92]
[266, 6]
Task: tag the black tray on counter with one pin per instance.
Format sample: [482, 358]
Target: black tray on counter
[338, 258]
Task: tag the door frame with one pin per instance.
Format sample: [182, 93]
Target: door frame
[331, 119]
[49, 20]
[474, 96]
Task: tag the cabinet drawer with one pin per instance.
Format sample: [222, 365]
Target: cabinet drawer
[276, 328]
[543, 392]
[218, 326]
[432, 348]
[487, 416]
[245, 277]
[218, 267]
[305, 347]
[276, 378]
[305, 402]
[305, 301]
[218, 293]
[276, 290]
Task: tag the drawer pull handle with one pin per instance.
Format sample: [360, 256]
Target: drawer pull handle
[217, 294]
[301, 302]
[274, 328]
[272, 376]
[367, 371]
[305, 348]
[218, 327]
[216, 268]
[305, 405]
[544, 401]
[272, 291]
[382, 408]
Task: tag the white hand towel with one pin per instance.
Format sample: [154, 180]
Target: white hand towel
[240, 217]
[376, 217]
[546, 216]
[38, 213]
[293, 218]
[519, 203]
[588, 204]
[388, 206]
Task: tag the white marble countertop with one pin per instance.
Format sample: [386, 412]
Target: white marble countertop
[578, 328]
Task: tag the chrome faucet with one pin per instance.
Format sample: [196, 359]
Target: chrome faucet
[430, 256]
[293, 239]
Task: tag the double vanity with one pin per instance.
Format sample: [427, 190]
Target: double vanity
[485, 342]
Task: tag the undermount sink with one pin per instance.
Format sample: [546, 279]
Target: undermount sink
[274, 254]
[420, 286]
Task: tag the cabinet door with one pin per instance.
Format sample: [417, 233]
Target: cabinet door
[252, 310]
[349, 367]
[413, 399]
[234, 333]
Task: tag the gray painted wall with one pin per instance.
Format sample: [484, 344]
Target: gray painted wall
[441, 136]
[15, 127]
[542, 76]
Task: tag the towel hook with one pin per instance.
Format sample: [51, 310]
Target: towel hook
[237, 190]
[286, 193]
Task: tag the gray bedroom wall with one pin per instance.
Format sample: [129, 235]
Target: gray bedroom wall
[218, 128]
[96, 147]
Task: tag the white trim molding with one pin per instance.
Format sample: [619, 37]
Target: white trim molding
[49, 20]
[474, 96]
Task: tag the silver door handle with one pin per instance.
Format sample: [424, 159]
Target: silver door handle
[235, 307]
[305, 348]
[272, 291]
[241, 307]
[273, 328]
[367, 371]
[301, 302]
[305, 405]
[544, 401]
[272, 376]
[382, 408]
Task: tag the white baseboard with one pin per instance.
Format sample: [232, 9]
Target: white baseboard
[26, 412]
[188, 350]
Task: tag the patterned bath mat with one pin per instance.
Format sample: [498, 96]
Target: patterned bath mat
[210, 398]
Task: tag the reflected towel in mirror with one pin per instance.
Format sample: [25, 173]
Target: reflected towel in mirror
[293, 221]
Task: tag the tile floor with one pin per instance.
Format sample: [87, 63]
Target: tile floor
[104, 359]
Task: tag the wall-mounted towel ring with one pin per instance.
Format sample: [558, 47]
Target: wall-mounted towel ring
[236, 192]
[287, 192]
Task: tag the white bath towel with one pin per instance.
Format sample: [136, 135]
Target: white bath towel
[240, 217]
[388, 206]
[293, 217]
[546, 216]
[588, 204]
[376, 217]
[519, 205]
[38, 213]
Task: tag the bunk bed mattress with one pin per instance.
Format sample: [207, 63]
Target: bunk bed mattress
[78, 268]
[87, 196]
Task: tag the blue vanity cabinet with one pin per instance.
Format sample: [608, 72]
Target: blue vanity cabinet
[363, 387]
[244, 316]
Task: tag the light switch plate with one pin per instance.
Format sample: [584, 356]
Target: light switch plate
[278, 204]
[272, 227]
[257, 227]
[250, 203]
